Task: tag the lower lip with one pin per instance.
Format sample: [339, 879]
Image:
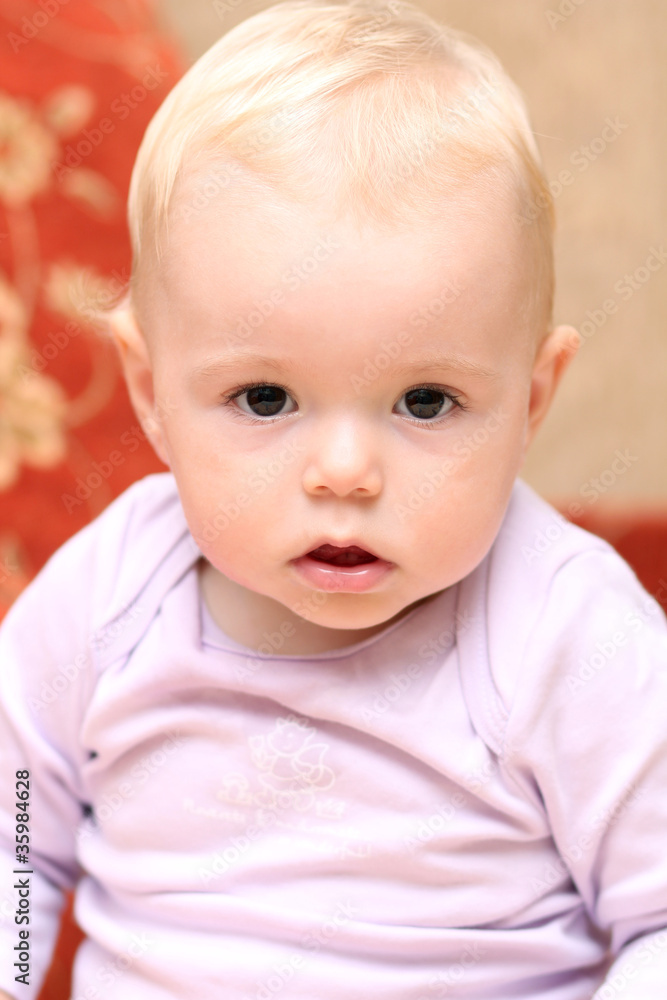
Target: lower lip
[353, 579]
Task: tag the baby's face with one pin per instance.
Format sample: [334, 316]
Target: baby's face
[315, 384]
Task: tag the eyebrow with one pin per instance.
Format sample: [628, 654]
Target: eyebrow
[216, 367]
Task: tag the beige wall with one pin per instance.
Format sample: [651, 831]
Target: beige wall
[579, 62]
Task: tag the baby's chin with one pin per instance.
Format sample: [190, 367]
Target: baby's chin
[347, 615]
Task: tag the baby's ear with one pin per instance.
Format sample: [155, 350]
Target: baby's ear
[138, 372]
[553, 357]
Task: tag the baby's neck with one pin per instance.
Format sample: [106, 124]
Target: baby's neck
[250, 619]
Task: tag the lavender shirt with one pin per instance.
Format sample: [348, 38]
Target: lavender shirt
[470, 804]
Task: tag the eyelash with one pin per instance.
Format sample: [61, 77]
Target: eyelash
[247, 418]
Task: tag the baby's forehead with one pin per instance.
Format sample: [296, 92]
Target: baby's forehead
[255, 213]
[229, 226]
[248, 251]
[225, 186]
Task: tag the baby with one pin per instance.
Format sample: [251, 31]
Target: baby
[338, 708]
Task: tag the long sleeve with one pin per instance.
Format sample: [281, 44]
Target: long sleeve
[44, 673]
[51, 645]
[587, 737]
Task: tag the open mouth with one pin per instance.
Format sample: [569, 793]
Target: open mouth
[348, 569]
[350, 556]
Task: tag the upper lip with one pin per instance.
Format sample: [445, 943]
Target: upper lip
[341, 544]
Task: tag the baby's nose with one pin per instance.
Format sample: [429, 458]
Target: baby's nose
[344, 459]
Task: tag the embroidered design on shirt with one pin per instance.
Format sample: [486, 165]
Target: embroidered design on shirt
[290, 762]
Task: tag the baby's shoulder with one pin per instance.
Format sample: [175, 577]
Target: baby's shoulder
[102, 567]
[132, 538]
[63, 630]
[547, 595]
[538, 552]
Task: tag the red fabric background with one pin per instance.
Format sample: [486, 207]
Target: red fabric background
[107, 49]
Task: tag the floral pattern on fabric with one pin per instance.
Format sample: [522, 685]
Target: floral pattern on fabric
[79, 82]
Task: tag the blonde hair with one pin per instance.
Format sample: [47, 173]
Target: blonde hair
[369, 105]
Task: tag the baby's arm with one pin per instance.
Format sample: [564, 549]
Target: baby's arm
[40, 807]
[5, 996]
[588, 729]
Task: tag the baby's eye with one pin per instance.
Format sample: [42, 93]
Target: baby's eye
[263, 400]
[426, 402]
